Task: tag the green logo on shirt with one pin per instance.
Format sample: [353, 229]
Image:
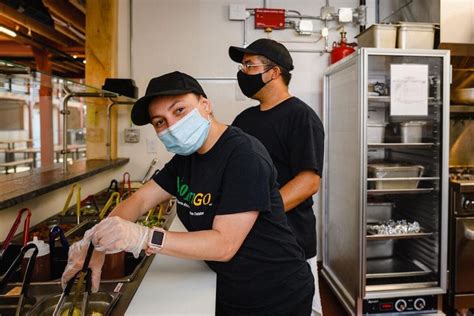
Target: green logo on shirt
[197, 199]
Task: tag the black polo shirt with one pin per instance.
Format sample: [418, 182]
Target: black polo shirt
[294, 136]
[268, 272]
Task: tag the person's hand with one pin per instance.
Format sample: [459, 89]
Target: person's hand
[115, 234]
[76, 258]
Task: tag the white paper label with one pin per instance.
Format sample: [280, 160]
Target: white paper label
[409, 90]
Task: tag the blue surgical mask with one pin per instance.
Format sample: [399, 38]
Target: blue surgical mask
[187, 135]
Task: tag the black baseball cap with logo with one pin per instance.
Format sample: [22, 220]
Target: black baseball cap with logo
[271, 49]
[173, 83]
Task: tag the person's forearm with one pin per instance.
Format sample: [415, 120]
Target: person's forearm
[200, 245]
[301, 187]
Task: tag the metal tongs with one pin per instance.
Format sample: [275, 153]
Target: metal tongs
[84, 274]
[5, 278]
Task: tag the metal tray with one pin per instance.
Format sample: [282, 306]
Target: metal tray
[400, 145]
[395, 267]
[389, 176]
[374, 236]
[101, 302]
[400, 191]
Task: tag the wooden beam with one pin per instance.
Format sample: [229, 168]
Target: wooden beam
[69, 13]
[78, 5]
[13, 49]
[65, 31]
[101, 56]
[43, 64]
[34, 25]
[75, 66]
[63, 66]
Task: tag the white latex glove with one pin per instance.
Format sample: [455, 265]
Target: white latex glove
[115, 234]
[77, 255]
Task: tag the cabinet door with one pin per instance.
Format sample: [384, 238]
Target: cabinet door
[404, 142]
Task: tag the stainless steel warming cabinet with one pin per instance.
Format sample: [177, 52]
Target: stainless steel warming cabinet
[385, 196]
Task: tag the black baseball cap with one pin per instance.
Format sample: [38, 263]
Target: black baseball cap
[271, 49]
[173, 83]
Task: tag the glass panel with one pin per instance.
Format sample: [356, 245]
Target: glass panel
[22, 94]
[404, 170]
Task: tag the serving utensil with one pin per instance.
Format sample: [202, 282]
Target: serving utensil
[82, 275]
[26, 230]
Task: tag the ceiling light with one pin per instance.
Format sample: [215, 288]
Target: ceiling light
[74, 56]
[7, 31]
[84, 61]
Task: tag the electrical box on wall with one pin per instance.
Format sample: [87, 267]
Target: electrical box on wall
[270, 18]
[132, 135]
[237, 12]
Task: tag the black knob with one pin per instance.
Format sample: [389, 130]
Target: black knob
[400, 305]
[419, 304]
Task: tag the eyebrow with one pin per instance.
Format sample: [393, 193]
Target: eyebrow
[169, 108]
[174, 103]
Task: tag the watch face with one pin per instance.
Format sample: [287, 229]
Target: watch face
[157, 238]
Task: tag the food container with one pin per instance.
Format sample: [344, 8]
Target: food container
[378, 35]
[378, 212]
[375, 132]
[42, 268]
[416, 35]
[412, 132]
[394, 171]
[114, 266]
[101, 303]
[379, 248]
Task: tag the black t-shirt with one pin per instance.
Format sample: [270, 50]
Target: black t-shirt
[294, 136]
[237, 175]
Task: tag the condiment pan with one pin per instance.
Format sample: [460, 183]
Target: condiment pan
[101, 302]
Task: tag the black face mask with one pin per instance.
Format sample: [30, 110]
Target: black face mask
[251, 84]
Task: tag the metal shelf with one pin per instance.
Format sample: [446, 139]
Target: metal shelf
[401, 145]
[386, 99]
[400, 191]
[397, 236]
[402, 179]
[395, 267]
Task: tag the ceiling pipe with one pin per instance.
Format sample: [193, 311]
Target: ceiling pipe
[362, 3]
[34, 25]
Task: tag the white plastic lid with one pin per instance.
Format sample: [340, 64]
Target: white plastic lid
[43, 248]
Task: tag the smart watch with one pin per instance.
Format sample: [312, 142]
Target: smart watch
[156, 241]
